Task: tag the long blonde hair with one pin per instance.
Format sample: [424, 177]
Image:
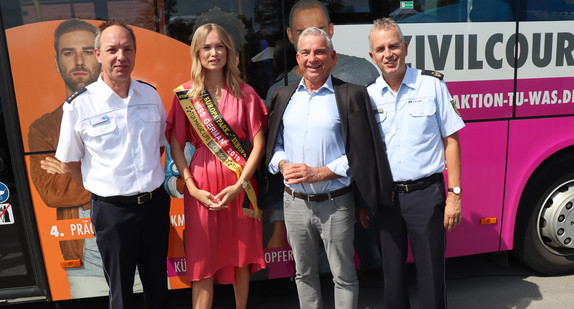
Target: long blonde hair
[231, 72]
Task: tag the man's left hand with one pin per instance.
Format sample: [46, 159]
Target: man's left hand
[452, 211]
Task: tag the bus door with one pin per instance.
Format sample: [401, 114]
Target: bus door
[21, 265]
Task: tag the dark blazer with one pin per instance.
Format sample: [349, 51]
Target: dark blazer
[364, 146]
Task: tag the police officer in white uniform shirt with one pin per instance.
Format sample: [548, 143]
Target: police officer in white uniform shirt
[111, 136]
[419, 124]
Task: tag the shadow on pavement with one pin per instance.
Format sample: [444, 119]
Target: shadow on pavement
[474, 282]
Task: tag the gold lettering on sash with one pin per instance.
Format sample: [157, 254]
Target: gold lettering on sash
[219, 139]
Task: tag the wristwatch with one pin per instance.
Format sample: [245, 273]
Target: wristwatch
[455, 190]
[243, 184]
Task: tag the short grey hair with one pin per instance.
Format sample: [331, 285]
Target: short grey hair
[386, 23]
[314, 31]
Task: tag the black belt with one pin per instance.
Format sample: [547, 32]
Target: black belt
[133, 199]
[414, 185]
[319, 197]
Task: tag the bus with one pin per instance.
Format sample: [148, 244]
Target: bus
[509, 65]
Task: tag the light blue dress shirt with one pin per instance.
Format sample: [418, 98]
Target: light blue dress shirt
[413, 123]
[311, 133]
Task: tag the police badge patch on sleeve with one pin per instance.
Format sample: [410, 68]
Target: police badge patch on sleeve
[454, 106]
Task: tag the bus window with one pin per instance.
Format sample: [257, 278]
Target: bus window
[355, 11]
[536, 10]
[422, 11]
[254, 25]
[433, 11]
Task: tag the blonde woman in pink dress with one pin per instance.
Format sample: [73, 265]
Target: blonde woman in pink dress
[222, 230]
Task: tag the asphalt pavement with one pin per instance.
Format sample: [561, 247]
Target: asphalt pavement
[489, 281]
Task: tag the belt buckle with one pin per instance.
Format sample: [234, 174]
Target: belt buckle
[142, 198]
[309, 197]
[406, 188]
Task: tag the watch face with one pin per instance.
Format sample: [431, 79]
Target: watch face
[456, 190]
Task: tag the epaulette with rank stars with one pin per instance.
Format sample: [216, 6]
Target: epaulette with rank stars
[141, 81]
[432, 73]
[75, 94]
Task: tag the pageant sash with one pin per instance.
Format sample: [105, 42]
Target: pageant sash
[220, 139]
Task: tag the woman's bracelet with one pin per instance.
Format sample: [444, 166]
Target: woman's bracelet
[188, 178]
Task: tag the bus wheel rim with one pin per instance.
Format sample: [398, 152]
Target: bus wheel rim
[556, 220]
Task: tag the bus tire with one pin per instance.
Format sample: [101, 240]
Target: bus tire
[544, 234]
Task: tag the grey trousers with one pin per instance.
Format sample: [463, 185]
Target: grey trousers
[332, 222]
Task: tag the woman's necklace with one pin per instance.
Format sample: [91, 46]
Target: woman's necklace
[215, 91]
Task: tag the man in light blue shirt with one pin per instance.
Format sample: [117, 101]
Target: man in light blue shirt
[312, 13]
[310, 129]
[419, 124]
[324, 140]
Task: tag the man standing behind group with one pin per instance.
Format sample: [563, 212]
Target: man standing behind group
[78, 67]
[112, 132]
[324, 140]
[419, 123]
[305, 14]
[312, 13]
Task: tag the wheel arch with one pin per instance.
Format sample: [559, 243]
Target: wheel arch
[533, 144]
[529, 244]
[567, 152]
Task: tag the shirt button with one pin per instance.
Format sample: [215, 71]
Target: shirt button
[306, 148]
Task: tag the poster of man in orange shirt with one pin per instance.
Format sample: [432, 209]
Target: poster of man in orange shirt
[76, 63]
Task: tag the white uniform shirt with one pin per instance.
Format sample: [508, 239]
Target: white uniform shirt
[311, 133]
[117, 140]
[413, 122]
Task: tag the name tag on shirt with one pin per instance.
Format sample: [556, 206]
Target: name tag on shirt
[99, 119]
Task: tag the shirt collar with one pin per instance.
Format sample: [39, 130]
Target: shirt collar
[410, 77]
[328, 85]
[409, 80]
[107, 92]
